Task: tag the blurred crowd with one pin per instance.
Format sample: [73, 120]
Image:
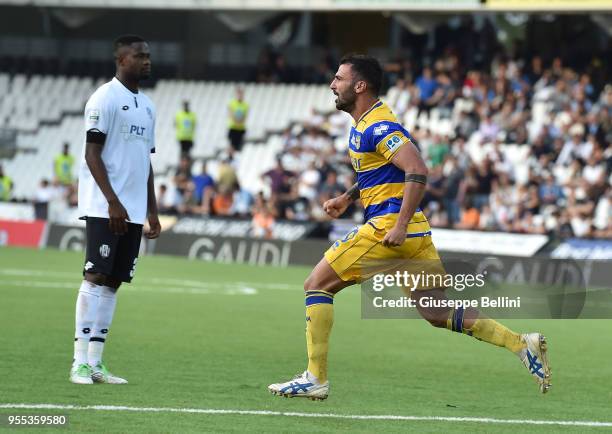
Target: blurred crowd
[526, 149]
[557, 119]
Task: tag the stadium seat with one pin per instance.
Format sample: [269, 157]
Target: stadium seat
[43, 125]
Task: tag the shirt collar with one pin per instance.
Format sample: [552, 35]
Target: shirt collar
[118, 83]
[377, 104]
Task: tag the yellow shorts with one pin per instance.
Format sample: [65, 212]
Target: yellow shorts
[360, 254]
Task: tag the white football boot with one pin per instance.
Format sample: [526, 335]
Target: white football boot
[303, 385]
[535, 359]
[81, 374]
[100, 374]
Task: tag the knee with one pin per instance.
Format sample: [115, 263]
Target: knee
[435, 319]
[310, 283]
[437, 322]
[314, 283]
[96, 278]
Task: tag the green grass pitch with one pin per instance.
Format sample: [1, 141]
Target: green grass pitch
[190, 334]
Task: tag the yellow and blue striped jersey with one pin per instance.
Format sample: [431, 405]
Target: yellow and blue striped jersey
[375, 138]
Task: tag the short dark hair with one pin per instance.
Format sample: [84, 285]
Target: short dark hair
[125, 40]
[367, 68]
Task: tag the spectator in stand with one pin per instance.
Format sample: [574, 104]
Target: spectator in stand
[182, 177]
[438, 151]
[279, 178]
[166, 202]
[488, 129]
[331, 187]
[308, 182]
[263, 218]
[226, 177]
[531, 203]
[470, 217]
[44, 194]
[204, 187]
[445, 95]
[453, 176]
[572, 148]
[189, 204]
[550, 192]
[185, 126]
[466, 125]
[238, 110]
[298, 209]
[242, 202]
[484, 182]
[594, 174]
[222, 201]
[487, 222]
[6, 186]
[603, 215]
[434, 192]
[427, 86]
[63, 165]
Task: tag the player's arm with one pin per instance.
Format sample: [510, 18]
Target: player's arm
[117, 214]
[154, 225]
[408, 159]
[335, 207]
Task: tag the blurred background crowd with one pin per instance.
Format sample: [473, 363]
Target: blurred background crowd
[515, 141]
[562, 187]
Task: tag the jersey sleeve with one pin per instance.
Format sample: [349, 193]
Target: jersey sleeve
[98, 113]
[388, 137]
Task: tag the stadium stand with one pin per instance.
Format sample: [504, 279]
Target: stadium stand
[45, 123]
[517, 147]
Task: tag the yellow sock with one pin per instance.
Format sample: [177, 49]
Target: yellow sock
[486, 329]
[319, 321]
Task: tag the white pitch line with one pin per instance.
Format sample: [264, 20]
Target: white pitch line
[203, 289]
[236, 287]
[485, 420]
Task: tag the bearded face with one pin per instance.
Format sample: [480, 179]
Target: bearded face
[343, 86]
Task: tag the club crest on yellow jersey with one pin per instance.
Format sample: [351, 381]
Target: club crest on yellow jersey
[356, 141]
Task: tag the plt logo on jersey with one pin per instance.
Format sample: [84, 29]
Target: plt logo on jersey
[133, 132]
[135, 129]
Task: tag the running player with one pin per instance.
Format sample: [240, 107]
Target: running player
[116, 196]
[391, 179]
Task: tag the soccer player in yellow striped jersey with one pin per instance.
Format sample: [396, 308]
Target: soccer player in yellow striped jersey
[391, 180]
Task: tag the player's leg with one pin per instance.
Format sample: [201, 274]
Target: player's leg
[320, 287]
[123, 271]
[100, 253]
[341, 267]
[104, 318]
[530, 348]
[468, 321]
